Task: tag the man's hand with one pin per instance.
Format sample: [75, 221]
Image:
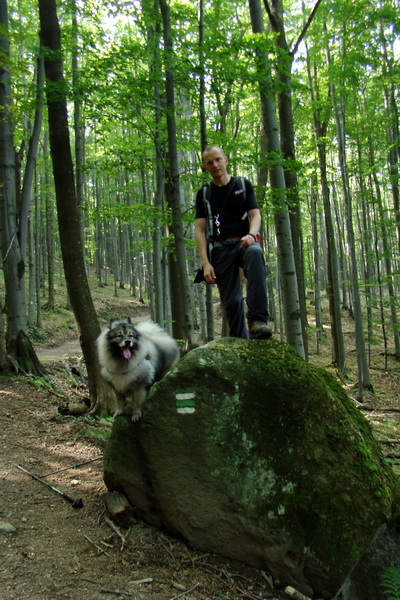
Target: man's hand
[209, 274]
[247, 240]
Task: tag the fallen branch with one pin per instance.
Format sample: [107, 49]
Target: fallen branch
[185, 593]
[98, 548]
[115, 592]
[50, 391]
[295, 594]
[118, 532]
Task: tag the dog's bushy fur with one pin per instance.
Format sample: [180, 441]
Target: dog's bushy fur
[132, 357]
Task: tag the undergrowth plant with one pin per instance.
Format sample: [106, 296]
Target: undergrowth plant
[390, 583]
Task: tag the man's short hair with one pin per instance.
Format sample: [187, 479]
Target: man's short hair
[212, 147]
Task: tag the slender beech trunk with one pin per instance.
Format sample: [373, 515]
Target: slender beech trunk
[368, 257]
[202, 81]
[393, 136]
[387, 253]
[26, 195]
[173, 180]
[5, 362]
[203, 144]
[317, 267]
[78, 128]
[159, 309]
[67, 205]
[19, 347]
[320, 121]
[49, 230]
[274, 10]
[290, 295]
[363, 375]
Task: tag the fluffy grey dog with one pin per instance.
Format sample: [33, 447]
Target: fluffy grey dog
[132, 357]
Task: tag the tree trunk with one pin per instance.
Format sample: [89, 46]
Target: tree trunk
[26, 195]
[5, 361]
[320, 129]
[390, 93]
[202, 81]
[364, 381]
[173, 180]
[209, 303]
[78, 127]
[67, 206]
[22, 355]
[317, 268]
[282, 222]
[159, 282]
[274, 9]
[49, 231]
[386, 251]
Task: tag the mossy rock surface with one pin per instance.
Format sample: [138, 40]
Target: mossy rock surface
[246, 450]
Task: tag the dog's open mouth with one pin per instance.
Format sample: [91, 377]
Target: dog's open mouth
[126, 353]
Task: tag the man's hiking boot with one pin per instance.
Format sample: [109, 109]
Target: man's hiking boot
[259, 330]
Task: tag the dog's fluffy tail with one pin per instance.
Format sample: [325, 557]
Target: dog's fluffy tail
[167, 346]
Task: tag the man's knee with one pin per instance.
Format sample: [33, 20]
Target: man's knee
[254, 251]
[254, 258]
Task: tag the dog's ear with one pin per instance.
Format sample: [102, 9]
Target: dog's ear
[112, 321]
[129, 320]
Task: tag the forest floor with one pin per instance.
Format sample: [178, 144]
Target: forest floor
[55, 551]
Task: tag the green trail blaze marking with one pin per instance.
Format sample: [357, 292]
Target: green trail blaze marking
[185, 403]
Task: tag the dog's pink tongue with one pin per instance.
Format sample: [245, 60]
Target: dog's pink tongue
[126, 353]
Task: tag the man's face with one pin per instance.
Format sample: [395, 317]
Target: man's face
[215, 162]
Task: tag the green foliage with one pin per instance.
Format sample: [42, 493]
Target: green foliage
[40, 383]
[94, 427]
[390, 583]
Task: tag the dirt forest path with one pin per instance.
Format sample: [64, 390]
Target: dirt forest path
[51, 551]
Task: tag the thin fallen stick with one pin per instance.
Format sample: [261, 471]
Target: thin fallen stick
[98, 548]
[57, 395]
[115, 592]
[117, 531]
[185, 593]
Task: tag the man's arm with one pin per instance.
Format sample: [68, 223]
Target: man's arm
[200, 231]
[254, 227]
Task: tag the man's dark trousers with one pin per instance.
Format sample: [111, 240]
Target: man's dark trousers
[226, 260]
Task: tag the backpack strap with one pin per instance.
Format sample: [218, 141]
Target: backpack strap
[209, 219]
[243, 185]
[243, 188]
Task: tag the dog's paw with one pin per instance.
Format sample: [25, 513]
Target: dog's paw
[119, 412]
[136, 416]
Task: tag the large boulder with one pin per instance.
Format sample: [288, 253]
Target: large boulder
[246, 450]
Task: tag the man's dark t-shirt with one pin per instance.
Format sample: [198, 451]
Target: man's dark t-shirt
[227, 201]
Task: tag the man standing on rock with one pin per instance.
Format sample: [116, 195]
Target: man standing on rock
[228, 219]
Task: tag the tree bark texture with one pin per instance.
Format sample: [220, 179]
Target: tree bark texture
[173, 178]
[320, 128]
[286, 127]
[22, 355]
[67, 205]
[364, 381]
[290, 294]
